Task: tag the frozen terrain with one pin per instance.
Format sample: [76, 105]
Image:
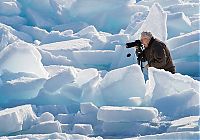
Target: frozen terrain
[65, 74]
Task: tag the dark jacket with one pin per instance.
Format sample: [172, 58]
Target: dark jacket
[158, 56]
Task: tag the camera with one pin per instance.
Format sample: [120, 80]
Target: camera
[136, 43]
[139, 51]
[133, 44]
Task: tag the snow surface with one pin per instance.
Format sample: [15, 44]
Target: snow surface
[64, 70]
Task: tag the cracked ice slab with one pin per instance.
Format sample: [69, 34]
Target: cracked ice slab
[16, 119]
[126, 114]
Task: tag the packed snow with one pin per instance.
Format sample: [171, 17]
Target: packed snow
[65, 71]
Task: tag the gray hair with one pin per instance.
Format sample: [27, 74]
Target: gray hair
[147, 34]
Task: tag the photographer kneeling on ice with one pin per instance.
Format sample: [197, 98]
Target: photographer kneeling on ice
[155, 52]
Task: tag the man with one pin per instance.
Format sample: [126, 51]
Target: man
[155, 53]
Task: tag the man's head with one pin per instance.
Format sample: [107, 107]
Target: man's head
[145, 38]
